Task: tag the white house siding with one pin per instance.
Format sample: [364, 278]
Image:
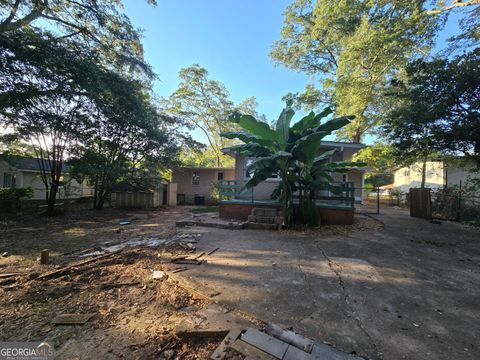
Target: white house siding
[411, 177]
[32, 179]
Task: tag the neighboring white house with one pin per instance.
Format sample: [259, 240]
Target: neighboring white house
[25, 172]
[439, 174]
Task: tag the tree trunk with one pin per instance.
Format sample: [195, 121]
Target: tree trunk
[424, 171]
[52, 197]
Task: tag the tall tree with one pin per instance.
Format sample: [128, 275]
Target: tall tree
[437, 109]
[204, 104]
[41, 100]
[127, 133]
[352, 47]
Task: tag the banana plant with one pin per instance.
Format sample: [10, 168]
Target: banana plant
[292, 153]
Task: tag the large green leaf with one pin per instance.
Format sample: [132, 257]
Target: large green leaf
[251, 149]
[325, 155]
[255, 127]
[335, 124]
[246, 137]
[307, 147]
[283, 125]
[269, 162]
[310, 121]
[258, 177]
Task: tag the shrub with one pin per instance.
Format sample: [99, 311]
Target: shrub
[10, 198]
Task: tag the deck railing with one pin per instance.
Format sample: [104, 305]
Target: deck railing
[344, 197]
[234, 190]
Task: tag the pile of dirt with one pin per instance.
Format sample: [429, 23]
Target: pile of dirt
[134, 315]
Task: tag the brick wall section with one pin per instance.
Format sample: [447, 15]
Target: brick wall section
[239, 211]
[327, 216]
[335, 216]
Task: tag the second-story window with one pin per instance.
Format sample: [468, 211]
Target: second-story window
[195, 178]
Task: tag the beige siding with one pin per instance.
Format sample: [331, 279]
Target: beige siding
[265, 189]
[183, 178]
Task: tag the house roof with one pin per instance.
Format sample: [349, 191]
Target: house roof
[323, 144]
[28, 163]
[203, 168]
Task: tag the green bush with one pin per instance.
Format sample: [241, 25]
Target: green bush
[10, 198]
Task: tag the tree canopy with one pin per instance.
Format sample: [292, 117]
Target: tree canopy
[90, 24]
[436, 109]
[203, 104]
[352, 47]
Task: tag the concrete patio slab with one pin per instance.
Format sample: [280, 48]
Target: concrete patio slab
[408, 291]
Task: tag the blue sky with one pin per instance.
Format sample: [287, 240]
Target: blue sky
[231, 39]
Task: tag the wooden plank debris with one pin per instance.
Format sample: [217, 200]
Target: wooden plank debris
[266, 343]
[200, 255]
[322, 351]
[294, 353]
[72, 319]
[3, 276]
[187, 261]
[250, 351]
[214, 250]
[221, 350]
[67, 268]
[179, 269]
[289, 337]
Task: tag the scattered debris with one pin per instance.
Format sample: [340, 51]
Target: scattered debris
[73, 266]
[187, 261]
[5, 254]
[158, 274]
[289, 337]
[221, 351]
[179, 269]
[72, 319]
[199, 255]
[3, 276]
[124, 223]
[213, 251]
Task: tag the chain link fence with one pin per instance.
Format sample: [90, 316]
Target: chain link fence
[457, 204]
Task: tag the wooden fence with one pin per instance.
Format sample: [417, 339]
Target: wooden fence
[420, 203]
[139, 200]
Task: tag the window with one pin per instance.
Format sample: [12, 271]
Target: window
[195, 178]
[220, 176]
[344, 177]
[8, 180]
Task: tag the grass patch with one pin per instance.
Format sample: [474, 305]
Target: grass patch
[206, 209]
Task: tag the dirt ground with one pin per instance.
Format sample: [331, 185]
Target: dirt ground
[134, 315]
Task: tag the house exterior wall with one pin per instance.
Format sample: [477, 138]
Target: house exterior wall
[264, 190]
[186, 190]
[32, 179]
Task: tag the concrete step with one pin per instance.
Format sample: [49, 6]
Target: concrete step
[265, 211]
[264, 219]
[262, 226]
